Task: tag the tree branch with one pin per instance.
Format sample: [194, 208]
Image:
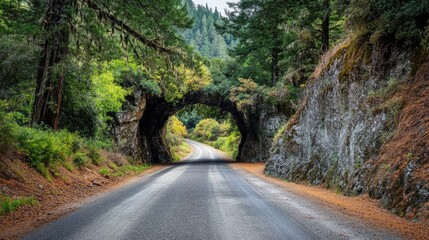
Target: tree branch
[150, 43]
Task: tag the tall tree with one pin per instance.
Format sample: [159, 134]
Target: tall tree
[281, 36]
[259, 27]
[203, 35]
[144, 27]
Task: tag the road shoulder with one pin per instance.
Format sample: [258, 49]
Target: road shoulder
[360, 207]
[72, 196]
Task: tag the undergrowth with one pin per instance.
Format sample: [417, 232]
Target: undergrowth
[48, 149]
[8, 204]
[115, 171]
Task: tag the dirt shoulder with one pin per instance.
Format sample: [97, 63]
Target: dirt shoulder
[362, 207]
[56, 198]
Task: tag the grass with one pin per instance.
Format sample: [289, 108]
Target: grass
[8, 204]
[181, 151]
[122, 171]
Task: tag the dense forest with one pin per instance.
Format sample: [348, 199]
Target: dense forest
[203, 36]
[68, 67]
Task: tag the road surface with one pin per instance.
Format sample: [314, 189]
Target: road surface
[203, 198]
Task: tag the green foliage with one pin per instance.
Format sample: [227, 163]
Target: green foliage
[277, 40]
[245, 94]
[189, 117]
[104, 172]
[175, 134]
[122, 171]
[151, 86]
[6, 137]
[224, 135]
[21, 17]
[389, 21]
[207, 130]
[8, 204]
[203, 35]
[45, 149]
[80, 159]
[109, 94]
[79, 111]
[94, 155]
[18, 67]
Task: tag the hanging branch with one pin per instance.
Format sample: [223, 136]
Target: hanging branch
[125, 28]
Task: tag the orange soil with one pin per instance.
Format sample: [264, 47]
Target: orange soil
[362, 207]
[409, 145]
[56, 198]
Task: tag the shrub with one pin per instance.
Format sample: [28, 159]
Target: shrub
[207, 130]
[104, 172]
[80, 159]
[95, 156]
[8, 204]
[46, 148]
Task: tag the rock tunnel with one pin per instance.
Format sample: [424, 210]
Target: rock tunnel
[140, 127]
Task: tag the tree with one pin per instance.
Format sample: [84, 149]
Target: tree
[404, 21]
[277, 36]
[138, 26]
[258, 26]
[203, 35]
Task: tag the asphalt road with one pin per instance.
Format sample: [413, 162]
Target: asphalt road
[203, 198]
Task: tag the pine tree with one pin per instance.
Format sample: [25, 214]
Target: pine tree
[205, 38]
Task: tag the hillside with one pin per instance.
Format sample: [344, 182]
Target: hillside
[203, 35]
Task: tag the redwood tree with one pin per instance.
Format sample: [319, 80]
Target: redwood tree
[141, 27]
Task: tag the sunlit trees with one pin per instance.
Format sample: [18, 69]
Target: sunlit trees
[146, 29]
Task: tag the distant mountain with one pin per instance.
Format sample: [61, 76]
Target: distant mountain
[203, 35]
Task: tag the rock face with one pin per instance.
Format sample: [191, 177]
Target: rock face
[140, 127]
[265, 120]
[345, 124]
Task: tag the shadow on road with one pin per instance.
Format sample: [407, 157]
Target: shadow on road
[200, 162]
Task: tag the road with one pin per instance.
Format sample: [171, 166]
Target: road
[203, 198]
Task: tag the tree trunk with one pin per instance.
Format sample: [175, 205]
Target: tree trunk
[275, 52]
[325, 26]
[47, 103]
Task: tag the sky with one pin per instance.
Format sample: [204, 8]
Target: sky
[220, 4]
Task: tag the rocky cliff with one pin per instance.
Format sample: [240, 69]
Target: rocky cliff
[363, 127]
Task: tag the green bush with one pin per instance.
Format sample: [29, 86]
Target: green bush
[224, 136]
[80, 159]
[8, 204]
[95, 156]
[104, 172]
[46, 149]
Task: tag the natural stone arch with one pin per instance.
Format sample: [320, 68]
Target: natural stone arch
[157, 112]
[140, 127]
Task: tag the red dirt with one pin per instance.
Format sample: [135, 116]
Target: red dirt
[362, 206]
[57, 198]
[409, 146]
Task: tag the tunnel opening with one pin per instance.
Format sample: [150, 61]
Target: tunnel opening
[157, 111]
[202, 123]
